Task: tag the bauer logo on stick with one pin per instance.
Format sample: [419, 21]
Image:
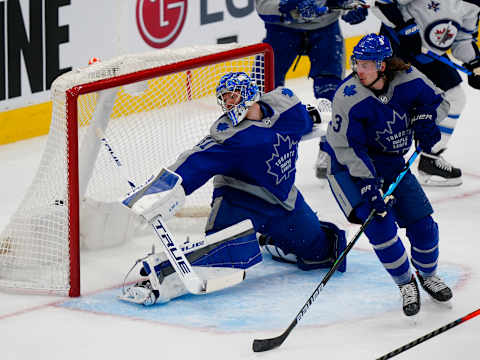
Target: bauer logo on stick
[160, 21]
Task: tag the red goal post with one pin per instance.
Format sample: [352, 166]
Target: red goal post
[151, 107]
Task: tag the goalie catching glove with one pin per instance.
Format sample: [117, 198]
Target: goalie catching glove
[162, 195]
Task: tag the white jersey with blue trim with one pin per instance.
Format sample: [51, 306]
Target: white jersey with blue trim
[445, 25]
[367, 131]
[257, 157]
[269, 12]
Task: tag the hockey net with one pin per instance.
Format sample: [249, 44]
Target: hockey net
[150, 107]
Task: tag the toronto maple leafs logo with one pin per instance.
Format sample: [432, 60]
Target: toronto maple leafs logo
[222, 127]
[397, 135]
[284, 156]
[349, 90]
[287, 92]
[435, 6]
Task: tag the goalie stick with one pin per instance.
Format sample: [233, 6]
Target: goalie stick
[430, 335]
[172, 247]
[260, 345]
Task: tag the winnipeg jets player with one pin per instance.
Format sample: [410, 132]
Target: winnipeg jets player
[251, 153]
[376, 112]
[310, 27]
[437, 26]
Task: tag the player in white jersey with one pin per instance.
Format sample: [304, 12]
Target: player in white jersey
[421, 32]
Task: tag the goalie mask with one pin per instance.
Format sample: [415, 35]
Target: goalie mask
[236, 92]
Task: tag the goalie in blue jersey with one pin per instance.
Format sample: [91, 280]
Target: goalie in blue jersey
[377, 112]
[251, 153]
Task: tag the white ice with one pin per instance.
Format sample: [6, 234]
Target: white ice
[39, 327]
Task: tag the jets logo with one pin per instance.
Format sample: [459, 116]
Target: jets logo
[160, 21]
[441, 34]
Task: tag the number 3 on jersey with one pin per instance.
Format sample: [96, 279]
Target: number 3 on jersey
[336, 123]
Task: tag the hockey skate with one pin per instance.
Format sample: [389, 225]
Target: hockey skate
[410, 297]
[435, 287]
[434, 170]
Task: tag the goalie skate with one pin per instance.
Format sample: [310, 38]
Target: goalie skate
[140, 293]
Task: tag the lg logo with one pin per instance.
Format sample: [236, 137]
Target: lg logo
[160, 21]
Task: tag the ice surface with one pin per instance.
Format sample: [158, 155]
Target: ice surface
[357, 316]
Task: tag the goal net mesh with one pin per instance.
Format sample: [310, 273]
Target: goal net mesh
[165, 105]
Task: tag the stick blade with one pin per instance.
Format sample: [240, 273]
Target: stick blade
[260, 345]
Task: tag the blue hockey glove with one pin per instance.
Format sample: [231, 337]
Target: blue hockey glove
[370, 189]
[426, 132]
[355, 16]
[409, 37]
[310, 9]
[286, 6]
[474, 78]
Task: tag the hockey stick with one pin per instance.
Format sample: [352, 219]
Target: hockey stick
[269, 344]
[446, 61]
[173, 249]
[430, 335]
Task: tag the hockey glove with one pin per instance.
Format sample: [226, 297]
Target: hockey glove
[314, 113]
[370, 189]
[426, 131]
[409, 37]
[474, 78]
[310, 9]
[355, 16]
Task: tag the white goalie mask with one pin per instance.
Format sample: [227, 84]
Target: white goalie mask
[236, 92]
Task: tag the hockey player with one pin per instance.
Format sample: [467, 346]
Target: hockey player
[375, 113]
[251, 153]
[310, 27]
[436, 26]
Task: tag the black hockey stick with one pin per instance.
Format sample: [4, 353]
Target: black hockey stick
[429, 335]
[446, 61]
[269, 344]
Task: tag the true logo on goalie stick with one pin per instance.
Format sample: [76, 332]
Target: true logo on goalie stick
[168, 242]
[160, 21]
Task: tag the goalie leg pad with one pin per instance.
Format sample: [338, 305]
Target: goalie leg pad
[234, 247]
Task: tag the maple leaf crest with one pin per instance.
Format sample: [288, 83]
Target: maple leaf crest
[349, 90]
[287, 92]
[222, 127]
[284, 156]
[396, 136]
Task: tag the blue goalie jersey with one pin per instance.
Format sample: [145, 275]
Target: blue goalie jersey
[257, 157]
